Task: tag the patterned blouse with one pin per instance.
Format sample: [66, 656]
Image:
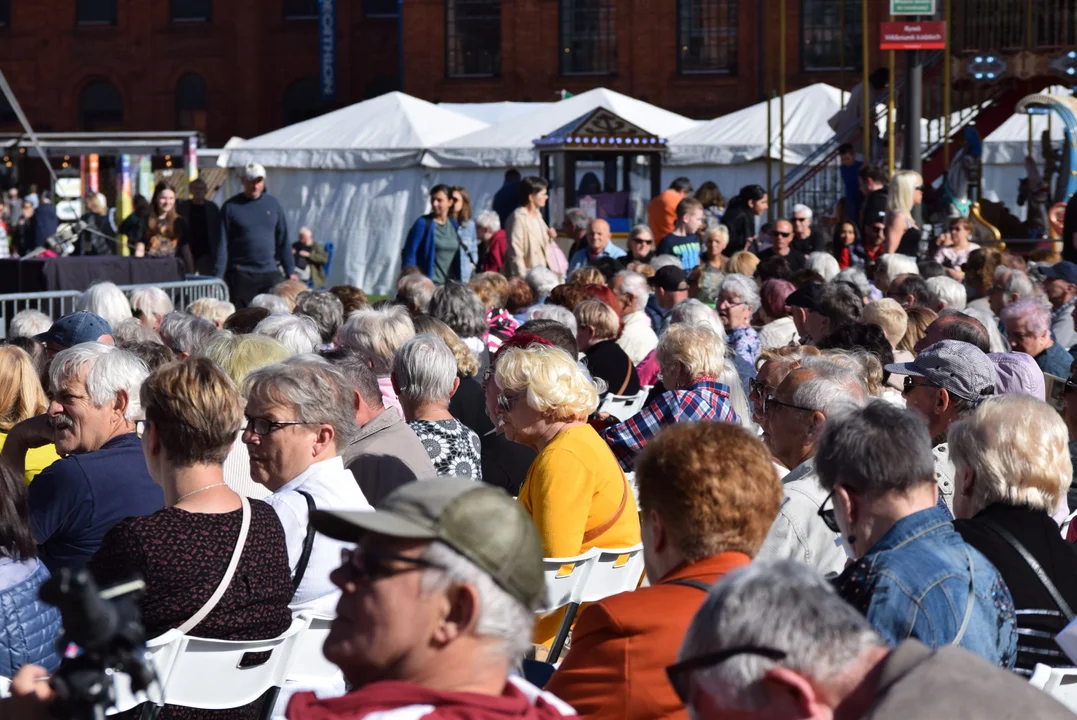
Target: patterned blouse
[746, 343]
[454, 449]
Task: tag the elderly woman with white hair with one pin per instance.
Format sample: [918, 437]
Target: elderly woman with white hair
[823, 263]
[1012, 470]
[378, 333]
[461, 309]
[106, 300]
[184, 334]
[638, 338]
[150, 305]
[424, 376]
[574, 491]
[299, 415]
[738, 299]
[297, 333]
[493, 242]
[325, 309]
[692, 359]
[891, 266]
[1028, 329]
[275, 304]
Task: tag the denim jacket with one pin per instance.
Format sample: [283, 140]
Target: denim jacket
[918, 582]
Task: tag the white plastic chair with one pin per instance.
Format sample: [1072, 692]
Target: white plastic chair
[5, 687]
[623, 407]
[307, 668]
[565, 579]
[1059, 683]
[616, 570]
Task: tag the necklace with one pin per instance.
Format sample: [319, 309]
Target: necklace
[195, 492]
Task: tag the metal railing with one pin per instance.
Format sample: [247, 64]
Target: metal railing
[980, 26]
[58, 303]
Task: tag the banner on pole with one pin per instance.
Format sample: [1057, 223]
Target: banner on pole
[124, 203]
[327, 26]
[912, 7]
[912, 36]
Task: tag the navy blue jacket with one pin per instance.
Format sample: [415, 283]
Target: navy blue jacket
[43, 225]
[254, 236]
[28, 626]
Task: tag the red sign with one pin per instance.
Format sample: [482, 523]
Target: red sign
[912, 35]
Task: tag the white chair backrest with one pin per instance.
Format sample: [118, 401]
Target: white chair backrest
[623, 407]
[616, 570]
[565, 578]
[162, 652]
[5, 687]
[309, 665]
[1059, 683]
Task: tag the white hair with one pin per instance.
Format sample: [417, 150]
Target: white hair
[378, 332]
[105, 300]
[553, 312]
[1018, 285]
[694, 312]
[275, 304]
[28, 323]
[416, 290]
[132, 331]
[832, 388]
[1036, 314]
[660, 261]
[857, 278]
[502, 618]
[489, 220]
[804, 209]
[150, 300]
[823, 263]
[890, 265]
[186, 333]
[298, 333]
[109, 370]
[635, 285]
[950, 291]
[542, 281]
[424, 369]
[742, 287]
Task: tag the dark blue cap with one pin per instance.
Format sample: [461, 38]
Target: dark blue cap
[1064, 270]
[76, 328]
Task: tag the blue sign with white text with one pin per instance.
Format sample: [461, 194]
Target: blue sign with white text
[327, 30]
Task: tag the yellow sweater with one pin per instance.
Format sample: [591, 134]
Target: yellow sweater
[575, 485]
[37, 459]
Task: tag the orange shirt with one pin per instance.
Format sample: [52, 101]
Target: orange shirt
[662, 213]
[621, 646]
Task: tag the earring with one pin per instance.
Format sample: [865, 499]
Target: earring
[850, 539]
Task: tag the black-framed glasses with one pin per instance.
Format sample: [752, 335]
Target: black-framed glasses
[770, 400]
[680, 674]
[758, 388]
[827, 515]
[264, 426]
[784, 234]
[375, 565]
[909, 383]
[801, 219]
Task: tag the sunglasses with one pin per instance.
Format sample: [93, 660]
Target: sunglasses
[784, 234]
[758, 388]
[505, 402]
[680, 675]
[827, 514]
[909, 383]
[372, 565]
[796, 219]
[921, 188]
[770, 401]
[642, 241]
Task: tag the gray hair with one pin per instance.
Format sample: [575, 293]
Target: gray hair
[1036, 314]
[316, 390]
[460, 308]
[800, 208]
[731, 379]
[325, 309]
[553, 312]
[356, 370]
[832, 389]
[823, 263]
[415, 291]
[580, 220]
[876, 450]
[378, 332]
[28, 323]
[660, 261]
[275, 304]
[820, 633]
[502, 618]
[743, 287]
[489, 220]
[297, 333]
[1018, 285]
[542, 280]
[132, 330]
[106, 300]
[186, 333]
[635, 285]
[857, 278]
[109, 370]
[694, 312]
[424, 369]
[950, 291]
[150, 300]
[640, 229]
[891, 265]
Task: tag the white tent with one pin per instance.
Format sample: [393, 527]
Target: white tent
[494, 113]
[354, 177]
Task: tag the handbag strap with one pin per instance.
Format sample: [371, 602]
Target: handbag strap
[1049, 586]
[628, 378]
[697, 584]
[594, 533]
[308, 543]
[215, 598]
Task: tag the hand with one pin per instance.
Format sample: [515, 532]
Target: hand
[944, 240]
[304, 253]
[33, 432]
[140, 250]
[552, 233]
[31, 695]
[293, 276]
[956, 273]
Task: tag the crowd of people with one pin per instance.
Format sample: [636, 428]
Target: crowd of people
[852, 489]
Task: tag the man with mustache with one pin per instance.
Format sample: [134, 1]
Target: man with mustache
[102, 477]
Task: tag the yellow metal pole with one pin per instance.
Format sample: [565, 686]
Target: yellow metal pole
[781, 108]
[865, 88]
[946, 89]
[890, 118]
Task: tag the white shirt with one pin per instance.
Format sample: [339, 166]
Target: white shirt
[332, 488]
[779, 333]
[638, 338]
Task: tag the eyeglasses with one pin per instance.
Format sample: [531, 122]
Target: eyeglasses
[643, 241]
[758, 388]
[264, 426]
[909, 383]
[505, 402]
[1021, 335]
[801, 219]
[726, 302]
[372, 565]
[769, 401]
[921, 188]
[784, 234]
[680, 674]
[827, 515]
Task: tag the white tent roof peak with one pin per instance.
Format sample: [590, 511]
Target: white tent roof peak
[391, 130]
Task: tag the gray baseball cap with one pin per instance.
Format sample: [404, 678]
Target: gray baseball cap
[479, 521]
[958, 367]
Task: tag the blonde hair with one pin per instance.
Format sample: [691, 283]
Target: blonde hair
[888, 315]
[240, 355]
[742, 263]
[902, 187]
[288, 291]
[492, 288]
[919, 318]
[598, 316]
[378, 333]
[550, 381]
[466, 362]
[21, 394]
[697, 349]
[1018, 448]
[211, 309]
[718, 231]
[586, 275]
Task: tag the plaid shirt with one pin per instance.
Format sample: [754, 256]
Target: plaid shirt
[703, 400]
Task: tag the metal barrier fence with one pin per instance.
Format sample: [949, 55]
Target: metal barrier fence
[58, 303]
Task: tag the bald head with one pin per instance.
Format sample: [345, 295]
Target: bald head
[598, 237]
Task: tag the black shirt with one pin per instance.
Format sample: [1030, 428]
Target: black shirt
[606, 360]
[796, 259]
[504, 463]
[874, 208]
[815, 242]
[198, 231]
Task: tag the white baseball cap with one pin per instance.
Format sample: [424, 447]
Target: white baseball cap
[254, 171]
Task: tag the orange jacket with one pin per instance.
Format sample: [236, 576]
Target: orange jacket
[621, 647]
[662, 213]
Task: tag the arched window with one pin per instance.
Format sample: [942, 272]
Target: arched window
[100, 107]
[302, 101]
[191, 102]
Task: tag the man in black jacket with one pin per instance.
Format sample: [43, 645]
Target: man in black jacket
[1069, 231]
[203, 226]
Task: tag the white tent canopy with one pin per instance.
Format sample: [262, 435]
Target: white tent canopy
[511, 143]
[494, 113]
[389, 131]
